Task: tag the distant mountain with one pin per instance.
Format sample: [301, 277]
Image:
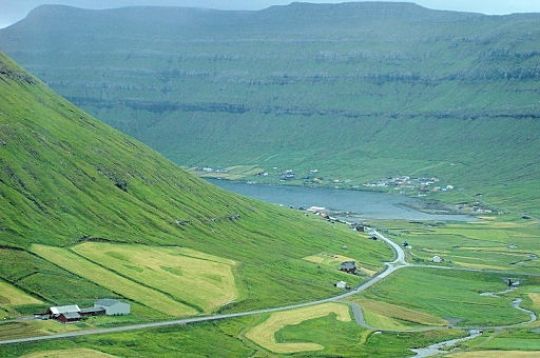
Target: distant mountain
[67, 178]
[359, 91]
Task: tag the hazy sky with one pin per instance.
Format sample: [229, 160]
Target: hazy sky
[14, 10]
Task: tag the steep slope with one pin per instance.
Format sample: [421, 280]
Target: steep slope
[66, 178]
[359, 91]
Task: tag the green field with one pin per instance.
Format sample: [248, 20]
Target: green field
[499, 244]
[449, 295]
[340, 338]
[265, 333]
[386, 316]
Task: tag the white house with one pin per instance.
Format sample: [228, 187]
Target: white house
[58, 310]
[341, 284]
[113, 307]
[437, 259]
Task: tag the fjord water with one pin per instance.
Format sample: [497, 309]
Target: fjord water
[364, 204]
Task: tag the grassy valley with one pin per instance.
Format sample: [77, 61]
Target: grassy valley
[89, 212]
[361, 91]
[373, 96]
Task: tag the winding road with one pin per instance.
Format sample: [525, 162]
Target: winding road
[399, 262]
[391, 267]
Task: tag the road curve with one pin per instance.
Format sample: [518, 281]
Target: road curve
[398, 263]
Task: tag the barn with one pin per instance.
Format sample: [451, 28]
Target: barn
[69, 317]
[113, 307]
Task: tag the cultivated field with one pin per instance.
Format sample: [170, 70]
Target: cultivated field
[12, 296]
[484, 245]
[450, 295]
[202, 280]
[264, 333]
[106, 278]
[383, 315]
[69, 353]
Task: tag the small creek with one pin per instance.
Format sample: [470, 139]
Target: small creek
[444, 347]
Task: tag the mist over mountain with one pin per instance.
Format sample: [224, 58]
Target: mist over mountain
[359, 91]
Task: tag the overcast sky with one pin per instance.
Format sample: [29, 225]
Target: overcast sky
[14, 10]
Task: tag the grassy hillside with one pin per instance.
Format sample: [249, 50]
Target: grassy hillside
[68, 179]
[359, 91]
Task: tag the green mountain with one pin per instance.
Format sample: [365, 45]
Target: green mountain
[359, 91]
[71, 188]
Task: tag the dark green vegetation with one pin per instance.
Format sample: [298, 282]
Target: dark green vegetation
[358, 91]
[65, 177]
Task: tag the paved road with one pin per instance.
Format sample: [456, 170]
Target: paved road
[391, 267]
[398, 263]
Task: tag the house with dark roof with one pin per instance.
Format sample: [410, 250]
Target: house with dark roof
[69, 317]
[348, 266]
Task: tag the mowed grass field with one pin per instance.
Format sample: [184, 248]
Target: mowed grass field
[11, 297]
[484, 245]
[264, 334]
[108, 279]
[205, 281]
[69, 353]
[387, 316]
[449, 295]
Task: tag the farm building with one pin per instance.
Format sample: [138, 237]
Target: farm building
[348, 266]
[56, 311]
[113, 307]
[69, 317]
[437, 259]
[92, 311]
[342, 285]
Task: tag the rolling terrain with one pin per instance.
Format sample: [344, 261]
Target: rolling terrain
[86, 207]
[358, 91]
[341, 94]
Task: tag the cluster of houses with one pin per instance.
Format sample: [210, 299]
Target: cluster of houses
[102, 307]
[423, 184]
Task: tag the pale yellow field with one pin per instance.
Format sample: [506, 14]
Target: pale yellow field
[535, 298]
[187, 275]
[385, 315]
[69, 353]
[478, 266]
[12, 296]
[264, 333]
[334, 260]
[496, 354]
[108, 279]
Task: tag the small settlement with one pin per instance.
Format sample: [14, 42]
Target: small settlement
[73, 313]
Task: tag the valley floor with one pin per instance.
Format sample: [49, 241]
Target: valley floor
[411, 304]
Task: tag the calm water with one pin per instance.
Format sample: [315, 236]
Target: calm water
[368, 205]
